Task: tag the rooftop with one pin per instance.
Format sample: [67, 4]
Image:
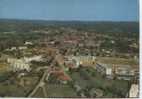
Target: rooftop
[134, 91]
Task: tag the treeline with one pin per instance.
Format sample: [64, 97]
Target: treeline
[92, 26]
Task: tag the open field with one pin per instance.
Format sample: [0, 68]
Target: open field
[55, 90]
[115, 60]
[3, 67]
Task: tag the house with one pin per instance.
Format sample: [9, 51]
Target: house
[134, 91]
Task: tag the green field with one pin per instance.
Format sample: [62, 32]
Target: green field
[57, 90]
[114, 60]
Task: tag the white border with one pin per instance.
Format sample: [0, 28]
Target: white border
[140, 40]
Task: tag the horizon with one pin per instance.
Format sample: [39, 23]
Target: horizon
[76, 10]
[18, 19]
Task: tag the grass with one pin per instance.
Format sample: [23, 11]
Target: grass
[114, 60]
[11, 90]
[3, 67]
[79, 80]
[54, 90]
[14, 90]
[39, 93]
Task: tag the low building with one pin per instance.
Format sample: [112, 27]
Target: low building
[134, 91]
[18, 64]
[71, 63]
[28, 43]
[22, 47]
[96, 93]
[83, 60]
[33, 58]
[121, 72]
[11, 49]
[124, 72]
[4, 57]
[77, 87]
[105, 69]
[61, 76]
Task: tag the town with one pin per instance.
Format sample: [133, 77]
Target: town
[69, 59]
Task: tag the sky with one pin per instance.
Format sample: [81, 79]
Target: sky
[96, 10]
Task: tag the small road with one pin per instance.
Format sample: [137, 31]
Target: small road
[41, 84]
[41, 68]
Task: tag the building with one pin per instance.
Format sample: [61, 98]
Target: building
[18, 64]
[121, 72]
[124, 72]
[134, 91]
[61, 76]
[96, 92]
[22, 47]
[71, 63]
[11, 49]
[28, 43]
[105, 69]
[83, 60]
[33, 58]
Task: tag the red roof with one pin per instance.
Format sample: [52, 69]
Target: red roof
[64, 77]
[61, 75]
[70, 65]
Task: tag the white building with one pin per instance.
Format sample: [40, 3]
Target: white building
[22, 47]
[124, 72]
[71, 63]
[28, 43]
[134, 91]
[18, 65]
[33, 58]
[83, 60]
[11, 49]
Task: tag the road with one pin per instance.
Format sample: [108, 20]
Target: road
[41, 84]
[59, 59]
